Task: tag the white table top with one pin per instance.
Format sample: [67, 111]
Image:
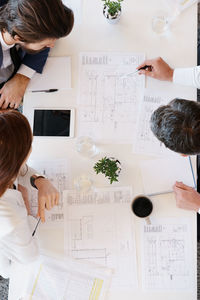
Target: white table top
[132, 34]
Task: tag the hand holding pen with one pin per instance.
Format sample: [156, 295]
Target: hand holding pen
[156, 68]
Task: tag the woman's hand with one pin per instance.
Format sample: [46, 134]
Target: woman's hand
[48, 196]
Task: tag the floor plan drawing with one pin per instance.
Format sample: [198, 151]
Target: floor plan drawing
[166, 255]
[109, 93]
[99, 229]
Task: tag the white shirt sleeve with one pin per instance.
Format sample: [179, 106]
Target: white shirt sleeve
[187, 76]
[24, 176]
[26, 71]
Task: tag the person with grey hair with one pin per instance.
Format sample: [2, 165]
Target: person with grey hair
[177, 125]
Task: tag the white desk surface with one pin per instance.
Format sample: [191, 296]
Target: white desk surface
[132, 34]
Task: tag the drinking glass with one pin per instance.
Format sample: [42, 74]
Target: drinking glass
[83, 183]
[160, 24]
[86, 146]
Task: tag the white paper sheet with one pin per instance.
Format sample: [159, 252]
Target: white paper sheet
[165, 172]
[58, 172]
[108, 100]
[59, 66]
[67, 279]
[144, 141]
[166, 255]
[99, 228]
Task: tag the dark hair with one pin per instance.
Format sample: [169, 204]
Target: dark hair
[15, 144]
[177, 125]
[36, 20]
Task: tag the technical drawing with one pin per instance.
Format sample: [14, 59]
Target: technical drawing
[166, 256]
[107, 97]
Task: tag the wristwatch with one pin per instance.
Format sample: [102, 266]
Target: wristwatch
[33, 179]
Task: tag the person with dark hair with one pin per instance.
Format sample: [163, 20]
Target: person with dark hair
[28, 29]
[16, 181]
[177, 125]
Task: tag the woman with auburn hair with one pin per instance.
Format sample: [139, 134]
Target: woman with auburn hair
[16, 241]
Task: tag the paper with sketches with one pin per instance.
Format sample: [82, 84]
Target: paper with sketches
[67, 280]
[144, 141]
[167, 255]
[108, 99]
[99, 228]
[56, 75]
[58, 172]
[166, 172]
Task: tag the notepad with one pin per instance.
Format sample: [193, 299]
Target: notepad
[159, 175]
[56, 75]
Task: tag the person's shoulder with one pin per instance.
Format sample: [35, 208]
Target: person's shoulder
[9, 217]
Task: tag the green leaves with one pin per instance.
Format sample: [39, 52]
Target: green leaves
[113, 6]
[108, 167]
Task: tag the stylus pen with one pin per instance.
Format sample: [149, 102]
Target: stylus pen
[195, 185]
[46, 91]
[36, 227]
[142, 68]
[159, 193]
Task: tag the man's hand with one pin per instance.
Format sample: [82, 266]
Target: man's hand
[186, 197]
[13, 91]
[48, 196]
[159, 69]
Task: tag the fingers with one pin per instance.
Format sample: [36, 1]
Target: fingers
[183, 186]
[147, 73]
[41, 209]
[147, 62]
[57, 198]
[2, 99]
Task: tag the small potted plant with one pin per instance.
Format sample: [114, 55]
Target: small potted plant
[110, 167]
[112, 10]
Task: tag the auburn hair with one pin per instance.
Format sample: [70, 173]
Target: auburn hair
[36, 20]
[15, 144]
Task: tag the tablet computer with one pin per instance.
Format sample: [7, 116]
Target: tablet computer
[53, 122]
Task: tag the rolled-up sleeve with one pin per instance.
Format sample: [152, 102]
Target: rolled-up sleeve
[24, 176]
[187, 76]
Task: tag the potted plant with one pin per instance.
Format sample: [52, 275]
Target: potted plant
[110, 167]
[112, 10]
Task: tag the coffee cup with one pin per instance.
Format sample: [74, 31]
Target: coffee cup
[142, 207]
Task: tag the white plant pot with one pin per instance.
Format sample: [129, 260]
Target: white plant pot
[111, 19]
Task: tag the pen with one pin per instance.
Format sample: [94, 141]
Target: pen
[159, 193]
[146, 67]
[192, 172]
[36, 227]
[46, 91]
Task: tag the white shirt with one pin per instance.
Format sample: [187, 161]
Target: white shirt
[7, 61]
[16, 228]
[187, 76]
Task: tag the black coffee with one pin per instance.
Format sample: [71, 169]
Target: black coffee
[142, 206]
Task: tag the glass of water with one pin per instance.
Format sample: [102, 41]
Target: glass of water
[86, 146]
[160, 24]
[83, 183]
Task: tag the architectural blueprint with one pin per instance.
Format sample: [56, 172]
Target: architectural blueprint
[144, 141]
[57, 171]
[67, 279]
[108, 99]
[167, 259]
[99, 228]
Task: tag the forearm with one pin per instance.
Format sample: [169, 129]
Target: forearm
[187, 76]
[25, 174]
